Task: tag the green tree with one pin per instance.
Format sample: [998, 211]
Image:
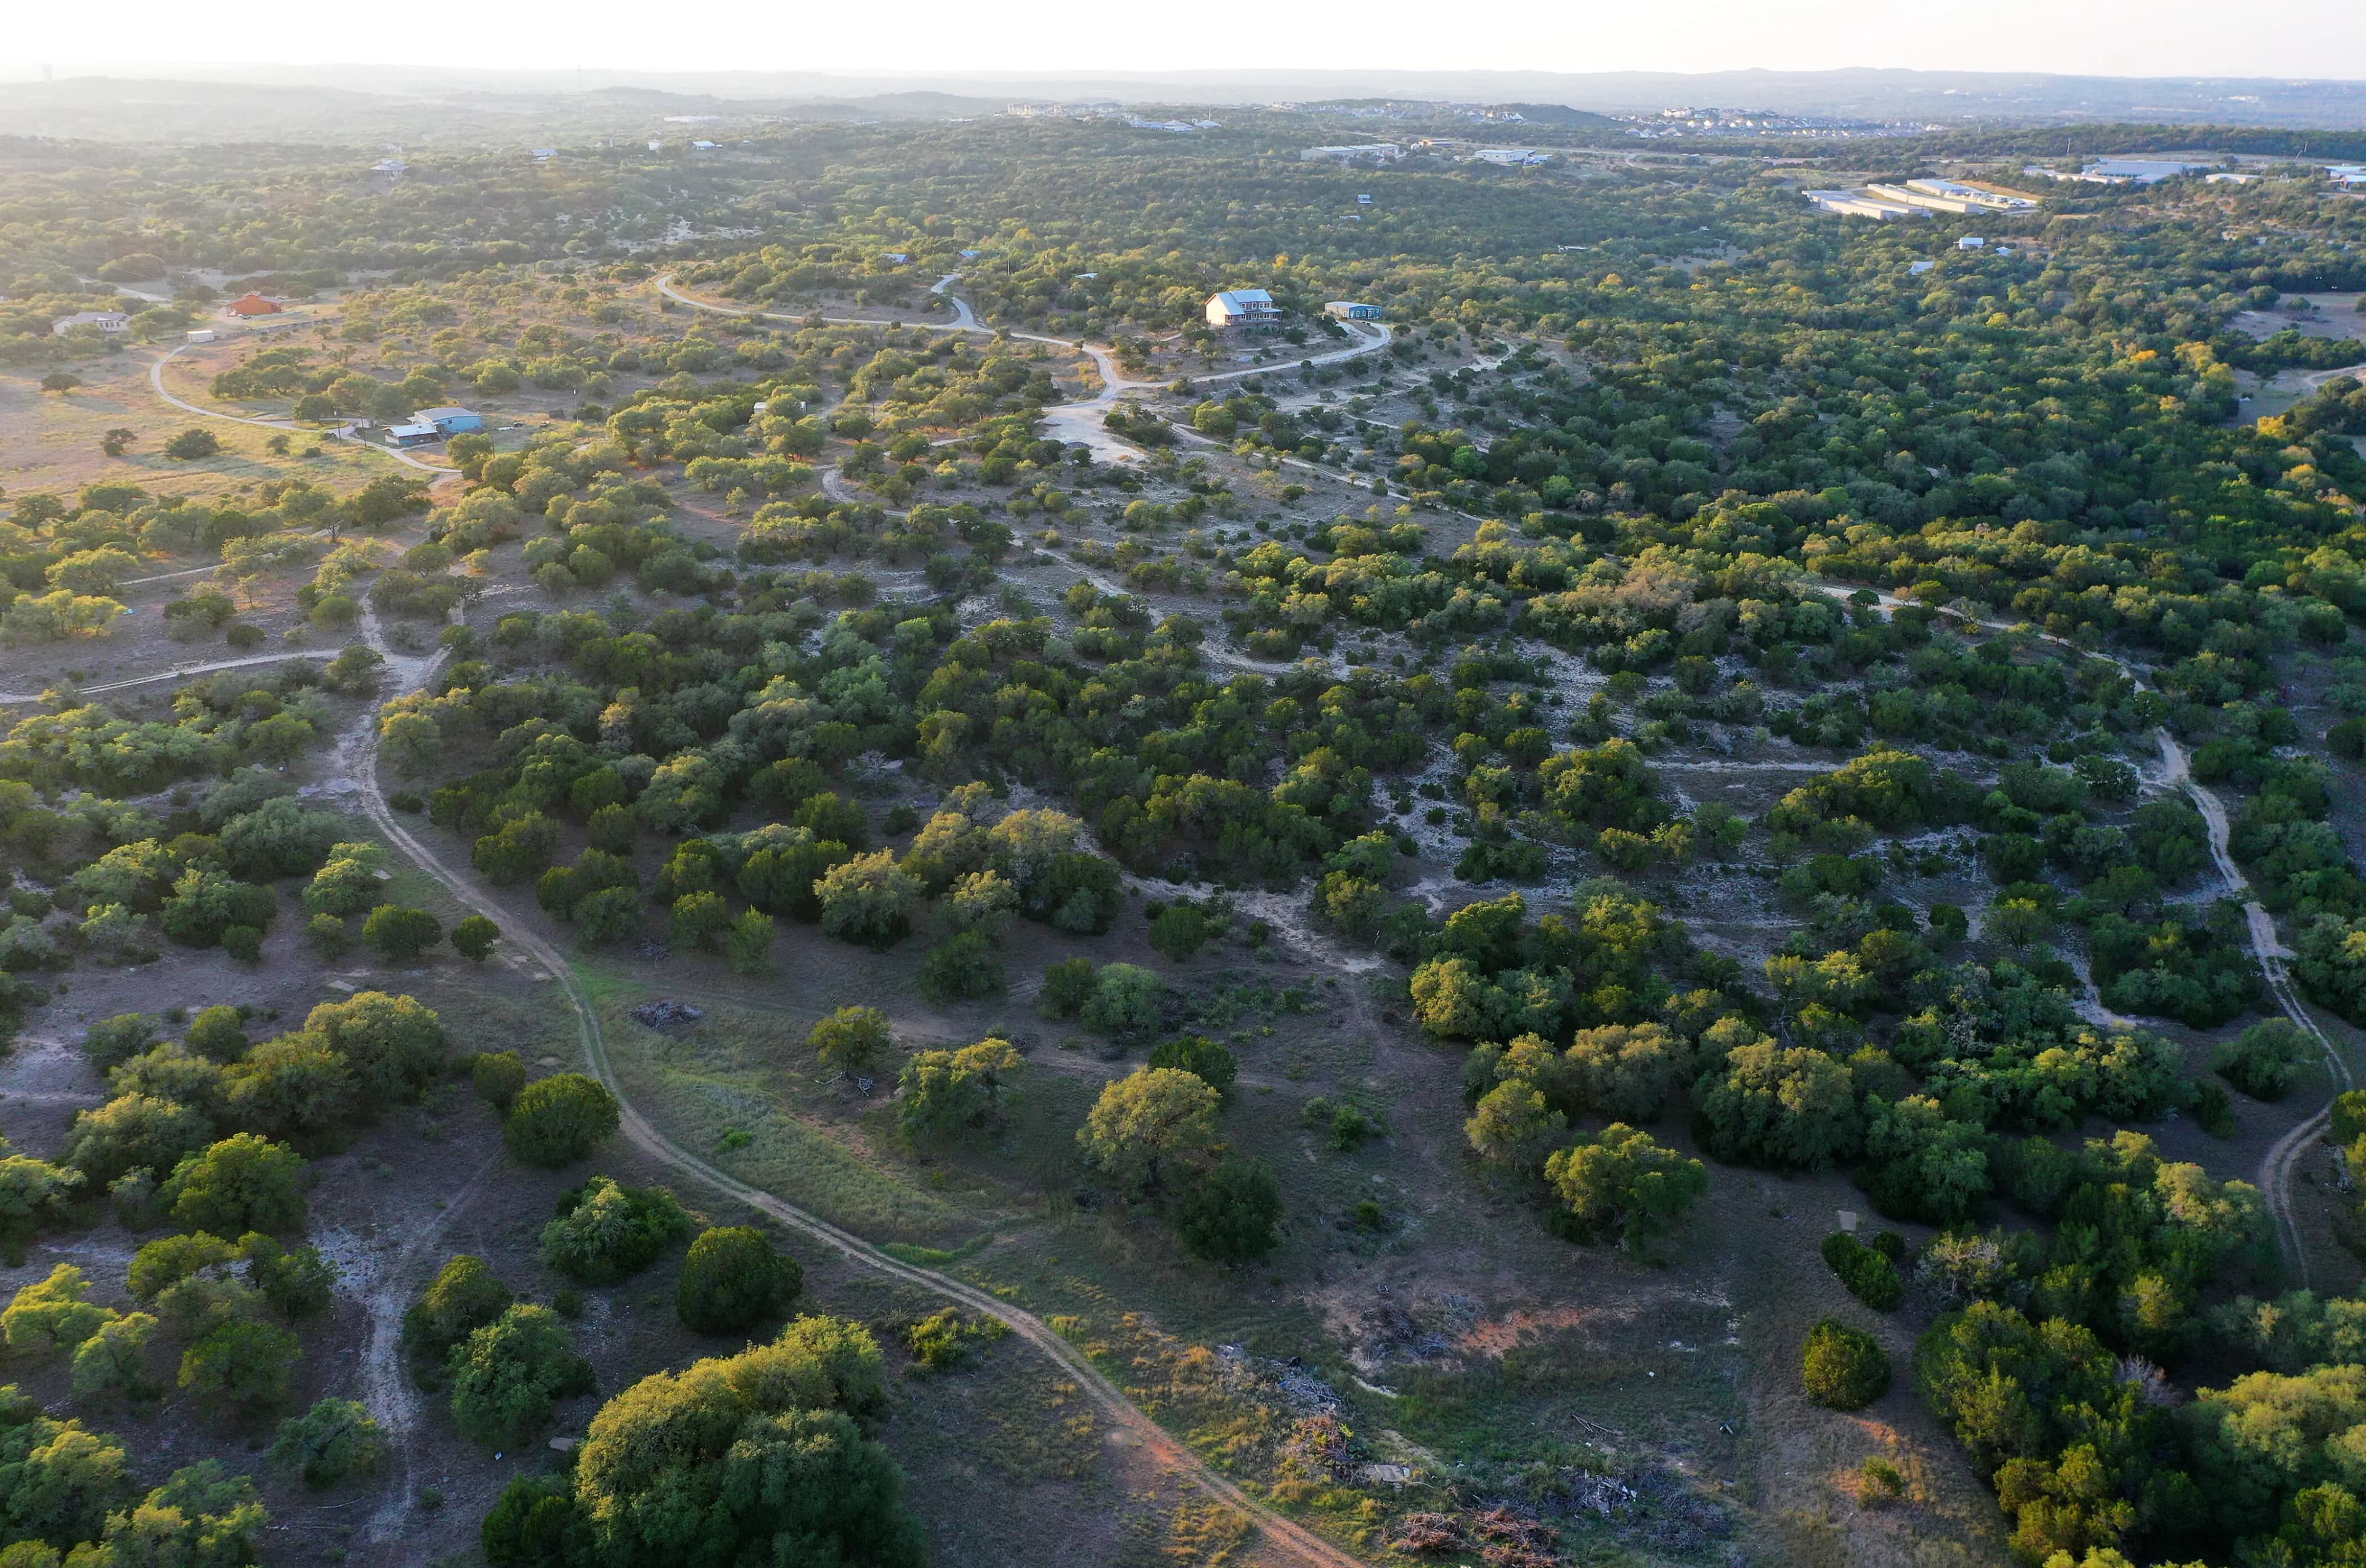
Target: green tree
[296, 1280]
[867, 899]
[751, 939]
[1067, 986]
[507, 1376]
[733, 1279]
[946, 1091]
[1230, 1214]
[241, 1361]
[396, 1045]
[334, 1439]
[1513, 1127]
[474, 937]
[702, 920]
[113, 1362]
[192, 444]
[464, 1297]
[49, 1316]
[401, 934]
[2265, 1059]
[1622, 1182]
[557, 1121]
[243, 1183]
[669, 1470]
[962, 967]
[853, 1040]
[1146, 1123]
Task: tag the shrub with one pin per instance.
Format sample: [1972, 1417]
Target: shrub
[557, 1121]
[401, 934]
[507, 1375]
[733, 1279]
[2264, 1059]
[1230, 1214]
[188, 445]
[243, 943]
[499, 1076]
[945, 1339]
[1200, 1056]
[1870, 1275]
[853, 1039]
[960, 969]
[335, 1439]
[1179, 930]
[1125, 1001]
[124, 1036]
[217, 1034]
[1067, 986]
[1844, 1367]
[605, 1232]
[244, 1183]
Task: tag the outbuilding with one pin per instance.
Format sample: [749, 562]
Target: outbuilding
[254, 305]
[413, 435]
[114, 323]
[450, 421]
[1352, 311]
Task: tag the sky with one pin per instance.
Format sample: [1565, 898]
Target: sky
[2315, 39]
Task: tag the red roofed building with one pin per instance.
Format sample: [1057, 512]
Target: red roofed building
[254, 305]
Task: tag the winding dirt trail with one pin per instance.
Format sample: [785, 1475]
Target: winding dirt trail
[358, 757]
[2275, 1174]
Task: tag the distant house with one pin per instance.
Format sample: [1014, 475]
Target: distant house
[971, 256]
[1510, 157]
[201, 334]
[114, 323]
[1352, 311]
[413, 435]
[1377, 152]
[2342, 174]
[896, 258]
[450, 421]
[254, 305]
[1971, 242]
[1247, 307]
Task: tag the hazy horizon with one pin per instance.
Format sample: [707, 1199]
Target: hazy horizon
[2314, 40]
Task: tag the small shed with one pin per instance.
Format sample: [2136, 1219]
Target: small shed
[450, 421]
